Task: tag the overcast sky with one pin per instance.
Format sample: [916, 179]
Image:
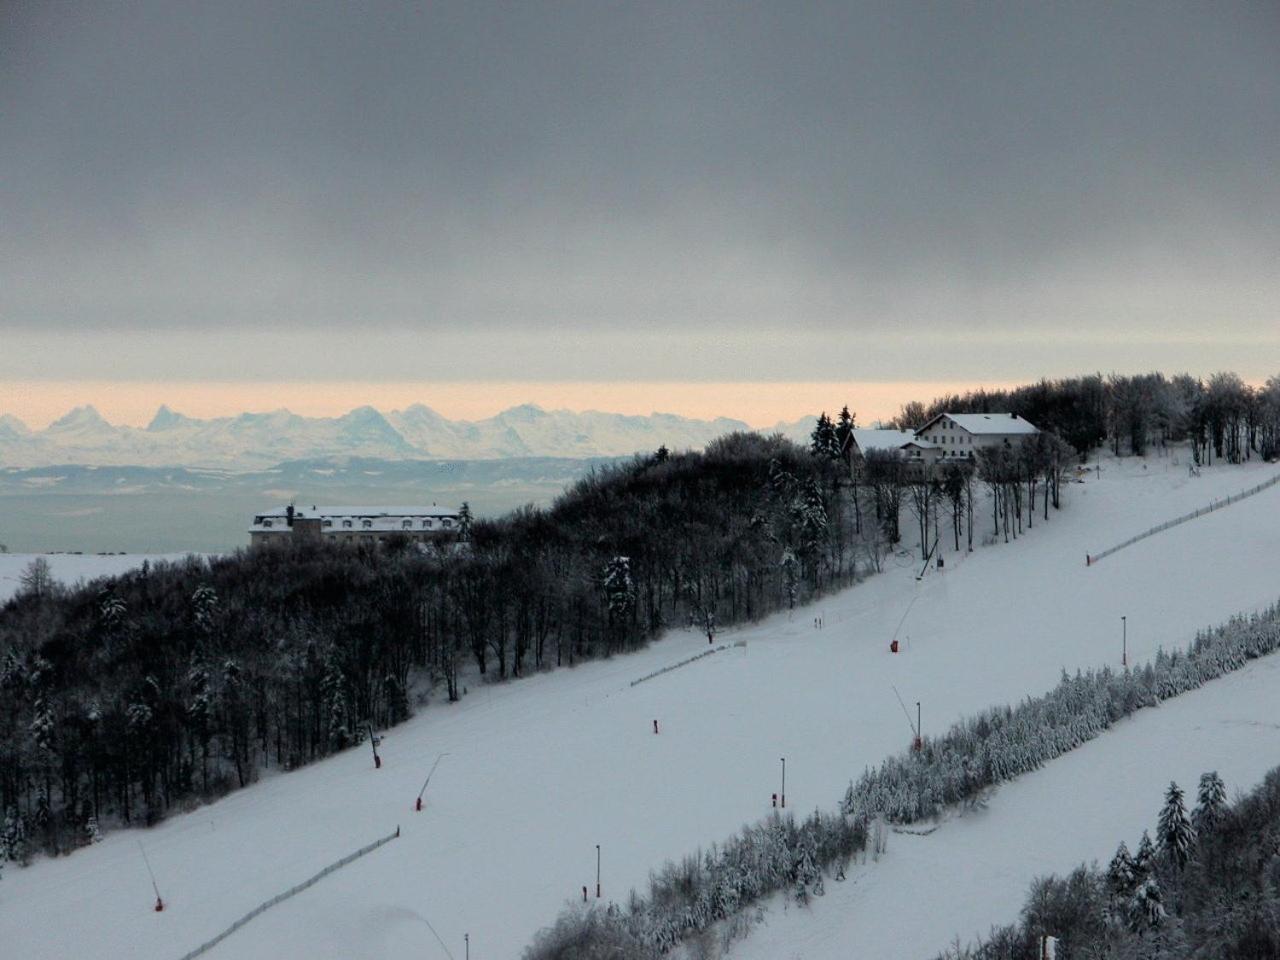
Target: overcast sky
[642, 192]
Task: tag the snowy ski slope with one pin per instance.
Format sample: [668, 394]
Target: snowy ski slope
[540, 771]
[975, 870]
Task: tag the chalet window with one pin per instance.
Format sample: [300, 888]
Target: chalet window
[426, 524]
[406, 525]
[446, 523]
[326, 523]
[266, 523]
[346, 524]
[367, 524]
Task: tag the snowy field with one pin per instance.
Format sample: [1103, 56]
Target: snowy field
[72, 568]
[540, 771]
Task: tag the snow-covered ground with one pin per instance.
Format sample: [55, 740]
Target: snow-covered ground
[72, 568]
[975, 871]
[540, 771]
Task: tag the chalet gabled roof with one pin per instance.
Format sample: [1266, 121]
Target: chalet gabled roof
[986, 423]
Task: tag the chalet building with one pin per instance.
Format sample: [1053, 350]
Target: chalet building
[947, 438]
[959, 435]
[354, 524]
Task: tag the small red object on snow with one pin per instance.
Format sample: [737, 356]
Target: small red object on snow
[159, 904]
[418, 805]
[584, 894]
[893, 646]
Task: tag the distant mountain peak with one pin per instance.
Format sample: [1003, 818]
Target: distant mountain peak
[525, 411]
[13, 427]
[78, 417]
[166, 419]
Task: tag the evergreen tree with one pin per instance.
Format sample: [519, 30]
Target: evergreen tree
[845, 425]
[1144, 859]
[823, 442]
[1120, 875]
[619, 589]
[1175, 831]
[338, 713]
[1211, 803]
[1146, 908]
[13, 838]
[465, 520]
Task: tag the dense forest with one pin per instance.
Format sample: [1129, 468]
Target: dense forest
[131, 696]
[1208, 886]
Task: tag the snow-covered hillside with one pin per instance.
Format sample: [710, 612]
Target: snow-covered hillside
[255, 440]
[539, 771]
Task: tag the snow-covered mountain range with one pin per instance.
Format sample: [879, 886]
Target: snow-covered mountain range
[255, 440]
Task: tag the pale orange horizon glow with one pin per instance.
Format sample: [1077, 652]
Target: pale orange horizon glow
[761, 404]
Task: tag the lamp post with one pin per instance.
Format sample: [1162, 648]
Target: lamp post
[784, 782]
[466, 939]
[597, 871]
[1124, 641]
[919, 733]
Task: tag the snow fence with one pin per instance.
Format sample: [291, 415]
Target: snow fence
[292, 891]
[1092, 558]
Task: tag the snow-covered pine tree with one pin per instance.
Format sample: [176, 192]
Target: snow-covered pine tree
[91, 832]
[1146, 908]
[823, 442]
[1144, 859]
[465, 520]
[1211, 803]
[13, 838]
[1175, 831]
[619, 590]
[1120, 876]
[204, 607]
[790, 576]
[333, 688]
[845, 424]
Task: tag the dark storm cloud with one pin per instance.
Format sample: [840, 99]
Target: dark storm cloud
[469, 167]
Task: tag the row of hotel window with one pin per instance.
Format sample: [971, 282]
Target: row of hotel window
[445, 523]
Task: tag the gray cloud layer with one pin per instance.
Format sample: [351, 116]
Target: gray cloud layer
[606, 171]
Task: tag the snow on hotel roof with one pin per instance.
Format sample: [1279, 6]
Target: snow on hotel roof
[355, 512]
[988, 423]
[377, 519]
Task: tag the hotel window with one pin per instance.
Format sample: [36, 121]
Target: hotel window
[406, 525]
[367, 524]
[346, 524]
[446, 523]
[326, 523]
[266, 523]
[426, 524]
